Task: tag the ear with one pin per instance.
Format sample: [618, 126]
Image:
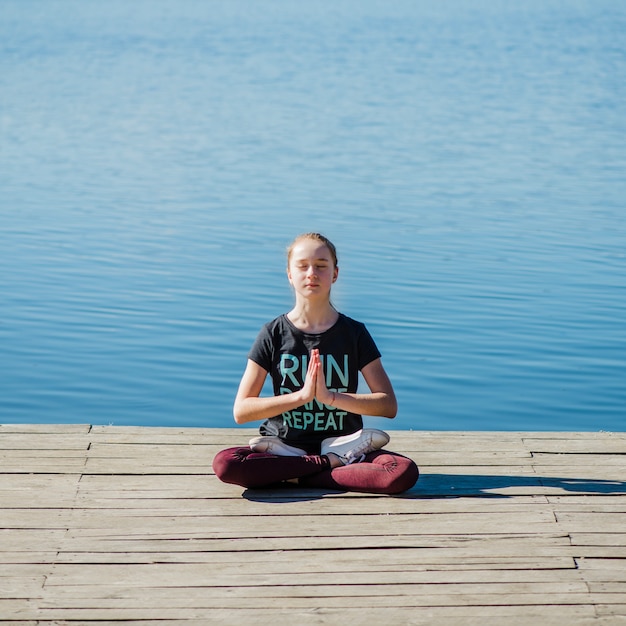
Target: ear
[335, 274]
[289, 276]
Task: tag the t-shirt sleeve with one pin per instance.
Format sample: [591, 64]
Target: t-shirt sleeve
[368, 350]
[261, 350]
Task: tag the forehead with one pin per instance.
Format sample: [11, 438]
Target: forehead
[310, 249]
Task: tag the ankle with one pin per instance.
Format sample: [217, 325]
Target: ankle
[334, 460]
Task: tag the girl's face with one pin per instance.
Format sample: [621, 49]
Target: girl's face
[311, 268]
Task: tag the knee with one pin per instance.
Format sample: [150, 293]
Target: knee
[225, 464]
[404, 474]
[407, 476]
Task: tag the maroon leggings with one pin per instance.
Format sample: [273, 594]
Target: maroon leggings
[380, 472]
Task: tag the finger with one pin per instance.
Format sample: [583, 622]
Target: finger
[321, 383]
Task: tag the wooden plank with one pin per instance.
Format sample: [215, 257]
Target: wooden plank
[43, 441]
[23, 587]
[43, 457]
[600, 552]
[580, 460]
[598, 445]
[29, 490]
[19, 539]
[104, 540]
[587, 437]
[611, 611]
[150, 486]
[428, 560]
[291, 534]
[171, 451]
[600, 574]
[45, 429]
[145, 466]
[172, 600]
[331, 595]
[36, 518]
[220, 438]
[602, 564]
[190, 575]
[186, 453]
[600, 505]
[35, 484]
[470, 456]
[39, 466]
[608, 587]
[88, 540]
[462, 615]
[580, 522]
[599, 538]
[127, 505]
[582, 499]
[26, 556]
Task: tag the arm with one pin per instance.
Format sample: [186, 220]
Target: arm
[249, 406]
[380, 402]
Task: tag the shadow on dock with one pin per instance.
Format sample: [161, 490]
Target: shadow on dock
[461, 485]
[478, 485]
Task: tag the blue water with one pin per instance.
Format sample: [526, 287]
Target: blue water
[468, 158]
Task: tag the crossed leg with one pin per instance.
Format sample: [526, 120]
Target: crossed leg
[381, 472]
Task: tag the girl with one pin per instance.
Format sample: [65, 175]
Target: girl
[312, 432]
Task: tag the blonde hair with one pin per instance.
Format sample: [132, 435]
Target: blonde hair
[316, 237]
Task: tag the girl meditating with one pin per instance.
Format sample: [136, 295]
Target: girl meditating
[312, 428]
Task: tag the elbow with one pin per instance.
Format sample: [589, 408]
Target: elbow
[238, 414]
[392, 410]
[244, 411]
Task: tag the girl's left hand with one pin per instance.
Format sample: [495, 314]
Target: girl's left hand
[322, 392]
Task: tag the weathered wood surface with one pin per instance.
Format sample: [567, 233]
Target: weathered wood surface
[110, 524]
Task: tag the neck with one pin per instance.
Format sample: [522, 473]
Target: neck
[313, 319]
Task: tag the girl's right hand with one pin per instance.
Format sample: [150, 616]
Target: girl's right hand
[310, 381]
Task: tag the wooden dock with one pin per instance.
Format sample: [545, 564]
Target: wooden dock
[123, 524]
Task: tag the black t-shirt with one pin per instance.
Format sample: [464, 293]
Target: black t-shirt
[283, 351]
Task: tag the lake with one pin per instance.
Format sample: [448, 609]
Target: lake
[467, 157]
